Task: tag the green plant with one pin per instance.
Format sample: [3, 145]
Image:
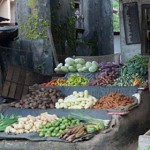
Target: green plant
[148, 148]
[35, 27]
[116, 25]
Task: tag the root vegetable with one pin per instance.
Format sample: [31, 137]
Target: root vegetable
[30, 123]
[39, 99]
[113, 100]
[77, 100]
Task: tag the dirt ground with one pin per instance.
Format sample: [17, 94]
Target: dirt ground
[133, 146]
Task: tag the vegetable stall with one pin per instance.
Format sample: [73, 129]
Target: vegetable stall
[93, 102]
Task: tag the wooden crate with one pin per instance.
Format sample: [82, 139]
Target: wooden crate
[18, 80]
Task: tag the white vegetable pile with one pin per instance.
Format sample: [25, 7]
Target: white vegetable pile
[30, 123]
[77, 65]
[78, 100]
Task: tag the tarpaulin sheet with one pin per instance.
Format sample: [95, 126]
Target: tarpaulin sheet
[99, 114]
[96, 91]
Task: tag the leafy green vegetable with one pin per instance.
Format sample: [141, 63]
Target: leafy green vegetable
[6, 121]
[88, 119]
[137, 65]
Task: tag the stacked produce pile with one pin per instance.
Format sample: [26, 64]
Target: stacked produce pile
[77, 80]
[69, 128]
[77, 100]
[134, 72]
[130, 80]
[113, 100]
[55, 82]
[92, 126]
[30, 124]
[109, 71]
[72, 80]
[56, 128]
[40, 99]
[77, 65]
[73, 133]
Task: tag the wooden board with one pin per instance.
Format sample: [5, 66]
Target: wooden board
[18, 80]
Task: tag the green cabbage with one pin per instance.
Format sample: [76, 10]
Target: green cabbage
[79, 66]
[69, 61]
[72, 69]
[64, 69]
[88, 64]
[85, 69]
[80, 70]
[66, 65]
[80, 61]
[59, 65]
[93, 68]
[95, 63]
[57, 69]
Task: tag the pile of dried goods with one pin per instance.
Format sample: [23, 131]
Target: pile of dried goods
[40, 99]
[113, 100]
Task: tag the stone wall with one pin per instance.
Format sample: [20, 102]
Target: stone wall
[129, 51]
[33, 18]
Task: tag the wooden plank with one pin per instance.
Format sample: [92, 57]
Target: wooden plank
[25, 91]
[9, 73]
[28, 78]
[16, 74]
[5, 90]
[12, 90]
[52, 46]
[22, 76]
[19, 91]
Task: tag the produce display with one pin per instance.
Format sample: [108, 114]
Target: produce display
[72, 80]
[6, 121]
[104, 79]
[30, 124]
[73, 133]
[113, 100]
[109, 71]
[77, 65]
[129, 80]
[77, 100]
[100, 123]
[41, 99]
[77, 80]
[137, 65]
[72, 127]
[76, 126]
[56, 128]
[55, 82]
[109, 66]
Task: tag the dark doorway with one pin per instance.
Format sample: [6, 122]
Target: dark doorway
[146, 29]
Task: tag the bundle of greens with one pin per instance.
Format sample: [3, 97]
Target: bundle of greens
[6, 121]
